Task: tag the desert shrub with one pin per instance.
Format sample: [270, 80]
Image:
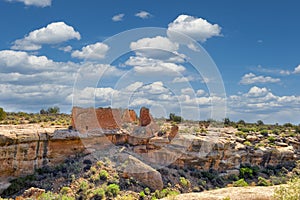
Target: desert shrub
[65, 197]
[103, 174]
[271, 139]
[99, 193]
[240, 183]
[93, 170]
[65, 190]
[167, 192]
[291, 191]
[247, 143]
[184, 182]
[264, 132]
[147, 191]
[99, 163]
[19, 184]
[48, 196]
[241, 134]
[112, 190]
[52, 196]
[263, 182]
[84, 185]
[246, 172]
[276, 131]
[226, 198]
[142, 195]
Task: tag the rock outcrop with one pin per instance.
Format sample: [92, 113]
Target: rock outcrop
[145, 117]
[142, 172]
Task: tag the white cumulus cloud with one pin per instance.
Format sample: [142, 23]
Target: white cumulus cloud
[118, 17]
[38, 3]
[53, 33]
[158, 42]
[197, 28]
[251, 78]
[149, 66]
[92, 52]
[256, 91]
[143, 14]
[159, 48]
[66, 48]
[297, 70]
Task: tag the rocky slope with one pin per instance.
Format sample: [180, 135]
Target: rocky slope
[145, 148]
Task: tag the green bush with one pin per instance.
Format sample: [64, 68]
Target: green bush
[48, 196]
[112, 190]
[167, 192]
[263, 182]
[175, 118]
[246, 172]
[184, 182]
[291, 191]
[2, 114]
[65, 190]
[103, 175]
[142, 195]
[271, 139]
[247, 143]
[99, 193]
[147, 191]
[84, 185]
[241, 134]
[240, 183]
[264, 132]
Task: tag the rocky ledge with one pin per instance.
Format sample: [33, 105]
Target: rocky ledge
[25, 149]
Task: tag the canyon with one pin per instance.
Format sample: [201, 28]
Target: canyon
[140, 142]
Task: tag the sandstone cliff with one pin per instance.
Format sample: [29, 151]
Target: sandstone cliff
[24, 150]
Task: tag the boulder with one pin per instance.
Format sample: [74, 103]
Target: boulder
[252, 138]
[142, 172]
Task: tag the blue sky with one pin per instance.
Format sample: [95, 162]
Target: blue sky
[254, 44]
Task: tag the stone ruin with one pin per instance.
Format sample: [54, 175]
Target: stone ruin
[88, 119]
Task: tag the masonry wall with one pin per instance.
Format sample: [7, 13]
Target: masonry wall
[88, 119]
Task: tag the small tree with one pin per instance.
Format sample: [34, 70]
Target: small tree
[43, 112]
[241, 122]
[260, 123]
[2, 114]
[53, 110]
[227, 121]
[175, 118]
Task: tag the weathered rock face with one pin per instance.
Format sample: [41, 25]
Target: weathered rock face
[24, 150]
[129, 116]
[173, 132]
[145, 117]
[224, 154]
[88, 119]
